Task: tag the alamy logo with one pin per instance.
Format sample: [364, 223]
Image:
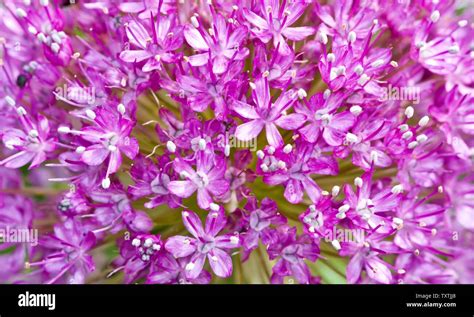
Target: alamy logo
[37, 300]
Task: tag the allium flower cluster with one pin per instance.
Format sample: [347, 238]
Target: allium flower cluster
[238, 141]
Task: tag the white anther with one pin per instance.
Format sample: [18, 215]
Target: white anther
[121, 108]
[234, 240]
[356, 110]
[421, 138]
[424, 121]
[288, 148]
[148, 242]
[194, 21]
[397, 221]
[440, 189]
[281, 165]
[55, 47]
[326, 94]
[302, 93]
[106, 183]
[56, 38]
[21, 111]
[64, 130]
[359, 70]
[44, 3]
[271, 150]
[32, 29]
[323, 38]
[80, 149]
[358, 182]
[351, 138]
[136, 242]
[344, 208]
[90, 114]
[409, 112]
[374, 156]
[407, 135]
[378, 63]
[341, 70]
[10, 101]
[397, 189]
[202, 144]
[214, 206]
[331, 57]
[412, 145]
[20, 13]
[264, 167]
[260, 154]
[462, 23]
[363, 79]
[403, 127]
[171, 146]
[394, 64]
[190, 266]
[434, 17]
[341, 215]
[33, 133]
[351, 37]
[112, 148]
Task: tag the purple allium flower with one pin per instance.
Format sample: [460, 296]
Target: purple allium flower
[155, 48]
[222, 44]
[323, 141]
[109, 137]
[274, 22]
[67, 258]
[205, 244]
[207, 179]
[266, 114]
[259, 221]
[291, 252]
[170, 270]
[32, 142]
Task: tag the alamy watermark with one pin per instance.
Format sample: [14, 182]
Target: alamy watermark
[410, 93]
[337, 235]
[82, 95]
[19, 235]
[231, 141]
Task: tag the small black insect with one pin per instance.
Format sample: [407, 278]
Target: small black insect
[21, 80]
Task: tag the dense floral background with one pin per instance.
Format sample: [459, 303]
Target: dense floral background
[236, 141]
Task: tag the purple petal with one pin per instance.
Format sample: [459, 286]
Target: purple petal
[193, 223]
[180, 246]
[183, 189]
[298, 33]
[221, 263]
[291, 121]
[95, 155]
[215, 222]
[273, 135]
[249, 130]
[195, 39]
